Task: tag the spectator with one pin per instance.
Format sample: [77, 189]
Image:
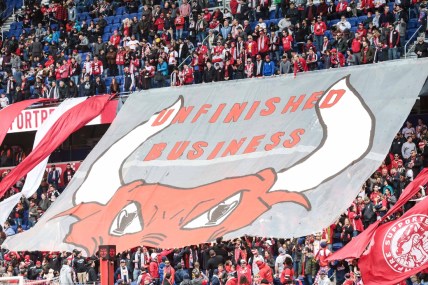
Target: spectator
[4, 101]
[407, 148]
[421, 48]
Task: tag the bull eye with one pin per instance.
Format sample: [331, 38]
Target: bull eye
[216, 215]
[127, 221]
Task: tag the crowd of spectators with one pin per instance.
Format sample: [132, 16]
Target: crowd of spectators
[61, 49]
[246, 260]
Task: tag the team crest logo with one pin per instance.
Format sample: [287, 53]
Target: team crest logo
[405, 246]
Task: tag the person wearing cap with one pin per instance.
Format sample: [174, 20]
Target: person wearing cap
[268, 67]
[251, 47]
[323, 278]
[265, 272]
[79, 265]
[122, 274]
[319, 30]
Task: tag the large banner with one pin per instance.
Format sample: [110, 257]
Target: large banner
[277, 157]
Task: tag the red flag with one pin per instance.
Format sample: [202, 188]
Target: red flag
[357, 245]
[398, 250]
[9, 114]
[70, 121]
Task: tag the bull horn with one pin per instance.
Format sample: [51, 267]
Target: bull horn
[348, 128]
[108, 166]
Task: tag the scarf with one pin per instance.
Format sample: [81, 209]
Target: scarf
[261, 43]
[144, 259]
[191, 259]
[124, 274]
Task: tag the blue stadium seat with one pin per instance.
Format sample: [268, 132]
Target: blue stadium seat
[108, 81]
[362, 18]
[332, 23]
[354, 29]
[106, 37]
[409, 33]
[120, 10]
[353, 21]
[117, 19]
[109, 20]
[413, 23]
[328, 34]
[133, 15]
[13, 26]
[272, 14]
[275, 21]
[119, 79]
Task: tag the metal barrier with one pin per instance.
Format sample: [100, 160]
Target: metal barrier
[405, 46]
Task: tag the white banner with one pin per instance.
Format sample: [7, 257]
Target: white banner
[7, 205]
[35, 176]
[275, 157]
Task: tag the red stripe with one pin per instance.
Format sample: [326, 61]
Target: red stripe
[72, 120]
[109, 113]
[9, 114]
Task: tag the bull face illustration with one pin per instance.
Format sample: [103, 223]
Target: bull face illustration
[168, 216]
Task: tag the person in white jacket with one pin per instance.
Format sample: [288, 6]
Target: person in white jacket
[66, 274]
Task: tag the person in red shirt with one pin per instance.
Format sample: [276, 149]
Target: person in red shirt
[287, 43]
[319, 29]
[188, 74]
[341, 8]
[160, 23]
[115, 39]
[244, 269]
[265, 272]
[97, 67]
[337, 59]
[179, 25]
[263, 44]
[251, 47]
[299, 64]
[154, 268]
[64, 71]
[361, 30]
[356, 48]
[120, 60]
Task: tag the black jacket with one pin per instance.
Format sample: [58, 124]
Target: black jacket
[209, 74]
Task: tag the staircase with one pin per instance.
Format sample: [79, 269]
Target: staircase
[6, 25]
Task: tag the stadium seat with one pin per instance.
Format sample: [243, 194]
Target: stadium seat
[108, 81]
[354, 29]
[106, 37]
[109, 20]
[353, 21]
[332, 23]
[117, 20]
[120, 10]
[119, 79]
[328, 34]
[362, 18]
[413, 23]
[272, 15]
